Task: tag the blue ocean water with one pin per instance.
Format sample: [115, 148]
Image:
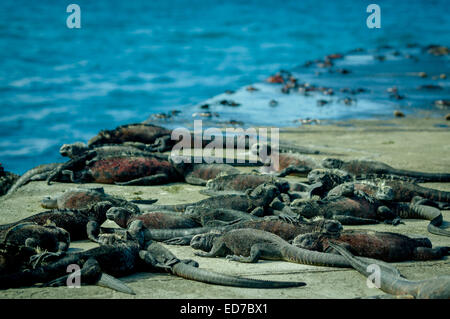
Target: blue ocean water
[134, 58]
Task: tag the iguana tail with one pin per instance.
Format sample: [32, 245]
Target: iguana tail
[425, 177]
[424, 212]
[434, 288]
[189, 272]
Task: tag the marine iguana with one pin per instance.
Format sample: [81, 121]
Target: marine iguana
[390, 247]
[389, 193]
[362, 168]
[48, 237]
[37, 173]
[83, 198]
[249, 245]
[119, 165]
[121, 170]
[153, 220]
[434, 288]
[124, 258]
[81, 224]
[355, 210]
[183, 236]
[242, 182]
[7, 179]
[391, 190]
[255, 201]
[283, 164]
[14, 258]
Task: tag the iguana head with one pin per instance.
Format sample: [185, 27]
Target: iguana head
[384, 192]
[263, 194]
[49, 203]
[119, 215]
[204, 242]
[305, 207]
[73, 150]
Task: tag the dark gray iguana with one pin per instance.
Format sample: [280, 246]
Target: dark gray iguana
[249, 245]
[363, 169]
[81, 224]
[390, 247]
[124, 258]
[183, 236]
[38, 173]
[434, 288]
[83, 198]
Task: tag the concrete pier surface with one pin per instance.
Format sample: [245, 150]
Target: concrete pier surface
[420, 144]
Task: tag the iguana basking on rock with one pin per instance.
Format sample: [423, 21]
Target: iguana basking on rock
[242, 182]
[391, 190]
[434, 288]
[81, 224]
[249, 245]
[124, 258]
[255, 201]
[37, 173]
[286, 230]
[364, 169]
[355, 210]
[283, 164]
[153, 220]
[7, 179]
[83, 198]
[49, 238]
[390, 247]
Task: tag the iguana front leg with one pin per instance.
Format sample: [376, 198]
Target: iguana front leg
[293, 170]
[218, 250]
[156, 179]
[93, 230]
[257, 252]
[352, 220]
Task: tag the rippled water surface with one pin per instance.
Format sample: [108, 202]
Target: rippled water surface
[134, 58]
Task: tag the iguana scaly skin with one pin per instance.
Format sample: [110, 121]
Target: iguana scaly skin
[243, 182]
[417, 211]
[393, 190]
[355, 210]
[385, 246]
[434, 288]
[143, 133]
[362, 168]
[83, 198]
[286, 230]
[81, 224]
[49, 238]
[153, 220]
[14, 258]
[200, 174]
[124, 258]
[40, 172]
[216, 216]
[255, 201]
[249, 245]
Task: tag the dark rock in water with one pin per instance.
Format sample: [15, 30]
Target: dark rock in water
[229, 103]
[399, 113]
[7, 179]
[430, 87]
[442, 104]
[447, 117]
[273, 103]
